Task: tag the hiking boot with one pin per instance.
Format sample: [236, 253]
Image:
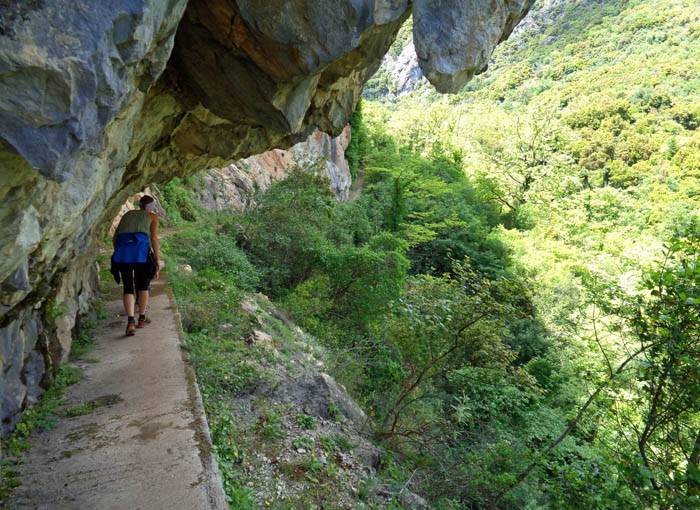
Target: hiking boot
[130, 329]
[143, 321]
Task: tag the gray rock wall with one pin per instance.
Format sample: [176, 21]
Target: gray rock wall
[73, 80]
[473, 29]
[100, 99]
[233, 186]
[404, 70]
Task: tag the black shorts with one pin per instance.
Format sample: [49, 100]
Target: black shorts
[137, 274]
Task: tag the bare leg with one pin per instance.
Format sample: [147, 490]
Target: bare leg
[143, 301]
[129, 304]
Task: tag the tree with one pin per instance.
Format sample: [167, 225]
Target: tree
[284, 231]
[667, 322]
[663, 465]
[441, 324]
[357, 149]
[527, 161]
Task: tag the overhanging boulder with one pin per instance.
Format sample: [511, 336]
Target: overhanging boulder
[100, 99]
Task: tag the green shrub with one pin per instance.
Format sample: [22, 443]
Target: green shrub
[358, 143]
[178, 202]
[328, 443]
[221, 253]
[203, 248]
[83, 343]
[312, 465]
[686, 115]
[304, 442]
[284, 233]
[54, 310]
[334, 411]
[344, 444]
[305, 421]
[592, 116]
[208, 300]
[270, 426]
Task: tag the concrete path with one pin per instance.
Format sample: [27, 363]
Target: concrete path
[146, 446]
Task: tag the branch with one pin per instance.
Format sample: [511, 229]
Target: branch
[522, 476]
[395, 411]
[600, 345]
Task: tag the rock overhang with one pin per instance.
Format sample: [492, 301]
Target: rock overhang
[99, 100]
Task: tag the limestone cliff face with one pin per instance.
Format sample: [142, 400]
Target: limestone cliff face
[404, 70]
[473, 29]
[98, 100]
[233, 186]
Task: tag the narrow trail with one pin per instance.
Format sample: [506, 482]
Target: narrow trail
[146, 444]
[356, 188]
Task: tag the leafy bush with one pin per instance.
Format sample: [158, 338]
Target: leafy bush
[305, 421]
[178, 202]
[284, 232]
[687, 116]
[270, 426]
[358, 143]
[204, 248]
[304, 442]
[441, 323]
[207, 300]
[592, 116]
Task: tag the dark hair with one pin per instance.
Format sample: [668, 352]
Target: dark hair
[145, 200]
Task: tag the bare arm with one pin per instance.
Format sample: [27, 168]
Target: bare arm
[154, 237]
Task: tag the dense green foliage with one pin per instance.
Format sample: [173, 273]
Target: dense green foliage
[513, 296]
[582, 136]
[665, 470]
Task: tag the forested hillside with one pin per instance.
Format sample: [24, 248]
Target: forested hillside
[514, 296]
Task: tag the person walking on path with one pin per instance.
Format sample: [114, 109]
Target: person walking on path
[136, 259]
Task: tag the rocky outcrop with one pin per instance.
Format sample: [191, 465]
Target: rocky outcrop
[101, 99]
[473, 29]
[328, 154]
[404, 70]
[233, 186]
[73, 80]
[545, 12]
[316, 394]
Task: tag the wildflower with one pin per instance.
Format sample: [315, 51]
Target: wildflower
[267, 503]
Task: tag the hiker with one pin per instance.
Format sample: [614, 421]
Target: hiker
[136, 259]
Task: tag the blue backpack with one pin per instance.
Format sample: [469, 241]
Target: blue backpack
[132, 247]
